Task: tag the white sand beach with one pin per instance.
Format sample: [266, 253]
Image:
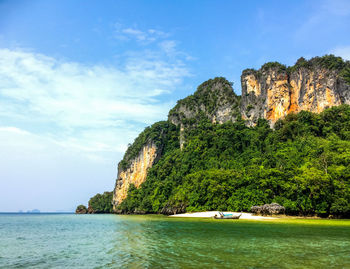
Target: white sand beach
[210, 214]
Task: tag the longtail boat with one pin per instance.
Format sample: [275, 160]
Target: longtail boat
[226, 216]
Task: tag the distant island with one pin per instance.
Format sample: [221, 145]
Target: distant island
[34, 211]
[285, 140]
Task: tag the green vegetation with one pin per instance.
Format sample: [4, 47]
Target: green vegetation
[304, 165]
[265, 67]
[81, 209]
[345, 73]
[249, 107]
[329, 62]
[301, 63]
[101, 203]
[205, 100]
[274, 65]
[158, 134]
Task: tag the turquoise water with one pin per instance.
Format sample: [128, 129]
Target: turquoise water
[113, 241]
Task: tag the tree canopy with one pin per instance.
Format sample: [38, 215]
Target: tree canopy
[101, 203]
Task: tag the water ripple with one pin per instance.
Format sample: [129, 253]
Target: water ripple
[111, 241]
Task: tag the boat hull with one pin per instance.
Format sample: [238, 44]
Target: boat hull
[227, 217]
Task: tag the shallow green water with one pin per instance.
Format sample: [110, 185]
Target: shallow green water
[112, 241]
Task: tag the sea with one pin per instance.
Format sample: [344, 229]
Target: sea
[152, 241]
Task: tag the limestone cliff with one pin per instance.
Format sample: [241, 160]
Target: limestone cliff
[270, 93]
[136, 173]
[274, 91]
[214, 100]
[146, 150]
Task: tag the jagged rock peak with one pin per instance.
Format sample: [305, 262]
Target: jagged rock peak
[271, 93]
[274, 91]
[214, 100]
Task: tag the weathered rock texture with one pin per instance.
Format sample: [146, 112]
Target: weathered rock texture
[90, 210]
[268, 209]
[275, 91]
[214, 100]
[171, 208]
[270, 93]
[136, 173]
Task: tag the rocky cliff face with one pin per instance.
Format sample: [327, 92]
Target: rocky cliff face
[270, 93]
[274, 91]
[146, 150]
[214, 100]
[136, 173]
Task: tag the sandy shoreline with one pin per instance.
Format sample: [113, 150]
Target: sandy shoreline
[210, 214]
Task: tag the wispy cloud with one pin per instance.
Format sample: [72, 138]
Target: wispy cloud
[144, 36]
[168, 46]
[64, 125]
[92, 108]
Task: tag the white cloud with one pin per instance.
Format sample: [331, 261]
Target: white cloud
[146, 36]
[65, 125]
[93, 109]
[168, 46]
[343, 52]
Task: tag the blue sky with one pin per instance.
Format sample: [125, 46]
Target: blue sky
[80, 79]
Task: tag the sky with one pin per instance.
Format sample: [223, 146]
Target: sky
[79, 80]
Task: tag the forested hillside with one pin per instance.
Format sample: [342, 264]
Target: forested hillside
[302, 164]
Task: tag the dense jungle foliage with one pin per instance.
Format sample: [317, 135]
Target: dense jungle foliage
[101, 203]
[329, 62]
[303, 164]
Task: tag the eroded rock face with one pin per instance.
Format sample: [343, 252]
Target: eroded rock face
[268, 209]
[316, 90]
[171, 209]
[273, 93]
[214, 100]
[136, 173]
